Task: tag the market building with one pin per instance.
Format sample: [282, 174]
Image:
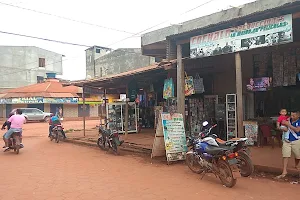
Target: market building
[245, 62]
[233, 67]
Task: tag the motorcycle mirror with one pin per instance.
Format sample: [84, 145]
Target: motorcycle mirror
[205, 123]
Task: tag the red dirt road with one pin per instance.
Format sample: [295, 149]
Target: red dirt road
[45, 170]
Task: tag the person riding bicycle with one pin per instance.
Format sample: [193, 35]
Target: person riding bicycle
[16, 124]
[54, 121]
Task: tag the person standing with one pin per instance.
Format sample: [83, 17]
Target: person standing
[293, 146]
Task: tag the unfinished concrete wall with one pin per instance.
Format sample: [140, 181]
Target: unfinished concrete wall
[92, 54]
[19, 65]
[121, 60]
[216, 18]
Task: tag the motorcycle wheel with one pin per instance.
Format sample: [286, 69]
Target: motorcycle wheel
[57, 138]
[193, 164]
[225, 175]
[245, 164]
[17, 149]
[101, 143]
[114, 147]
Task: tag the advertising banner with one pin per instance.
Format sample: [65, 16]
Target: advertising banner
[27, 100]
[189, 86]
[174, 136]
[259, 84]
[268, 32]
[61, 100]
[168, 88]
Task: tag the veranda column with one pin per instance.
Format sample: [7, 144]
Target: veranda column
[180, 82]
[239, 94]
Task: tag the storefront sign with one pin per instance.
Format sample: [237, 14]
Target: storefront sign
[5, 101]
[61, 100]
[269, 32]
[168, 88]
[27, 100]
[174, 136]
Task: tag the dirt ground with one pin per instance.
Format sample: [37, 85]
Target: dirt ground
[45, 170]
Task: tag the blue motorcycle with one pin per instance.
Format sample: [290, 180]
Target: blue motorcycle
[206, 156]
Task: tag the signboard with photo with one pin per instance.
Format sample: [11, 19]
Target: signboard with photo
[259, 84]
[189, 86]
[174, 136]
[268, 32]
[168, 88]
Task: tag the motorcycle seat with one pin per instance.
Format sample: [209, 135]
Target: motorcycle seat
[215, 150]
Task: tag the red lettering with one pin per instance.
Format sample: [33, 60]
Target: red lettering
[216, 35]
[210, 37]
[227, 33]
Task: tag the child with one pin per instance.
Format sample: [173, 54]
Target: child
[283, 117]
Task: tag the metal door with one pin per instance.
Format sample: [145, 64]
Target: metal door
[81, 110]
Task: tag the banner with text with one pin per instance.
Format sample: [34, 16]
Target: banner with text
[174, 136]
[268, 32]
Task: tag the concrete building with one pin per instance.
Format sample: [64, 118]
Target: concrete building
[92, 54]
[121, 60]
[25, 65]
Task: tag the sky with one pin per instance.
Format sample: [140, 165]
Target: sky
[130, 17]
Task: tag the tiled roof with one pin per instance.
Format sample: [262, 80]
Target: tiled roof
[50, 88]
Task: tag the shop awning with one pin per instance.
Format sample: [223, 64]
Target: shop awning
[119, 79]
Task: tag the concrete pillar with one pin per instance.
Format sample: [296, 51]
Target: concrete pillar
[180, 82]
[239, 94]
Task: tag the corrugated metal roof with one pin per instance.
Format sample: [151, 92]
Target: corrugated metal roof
[153, 67]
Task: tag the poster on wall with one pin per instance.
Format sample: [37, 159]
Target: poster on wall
[251, 132]
[268, 32]
[259, 84]
[168, 88]
[174, 136]
[189, 86]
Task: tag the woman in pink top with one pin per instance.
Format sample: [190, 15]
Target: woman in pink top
[17, 122]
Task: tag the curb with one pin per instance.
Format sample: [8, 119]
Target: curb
[130, 147]
[125, 146]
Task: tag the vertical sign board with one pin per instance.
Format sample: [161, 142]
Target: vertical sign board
[174, 136]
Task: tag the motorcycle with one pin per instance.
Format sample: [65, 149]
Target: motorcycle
[14, 142]
[56, 133]
[244, 161]
[108, 139]
[210, 158]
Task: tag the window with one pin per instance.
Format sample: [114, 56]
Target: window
[98, 50]
[42, 62]
[39, 79]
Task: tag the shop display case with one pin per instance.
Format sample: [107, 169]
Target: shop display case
[116, 116]
[231, 121]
